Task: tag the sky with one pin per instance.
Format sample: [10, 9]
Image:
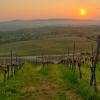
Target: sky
[44, 9]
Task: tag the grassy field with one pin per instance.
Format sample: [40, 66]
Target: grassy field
[53, 82]
[48, 40]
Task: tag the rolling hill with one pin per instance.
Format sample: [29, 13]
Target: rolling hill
[51, 36]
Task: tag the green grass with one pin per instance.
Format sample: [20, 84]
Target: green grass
[51, 82]
[81, 86]
[52, 46]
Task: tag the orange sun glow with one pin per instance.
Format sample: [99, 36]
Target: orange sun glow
[82, 12]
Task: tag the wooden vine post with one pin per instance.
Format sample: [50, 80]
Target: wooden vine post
[73, 63]
[64, 58]
[80, 65]
[92, 55]
[36, 62]
[11, 61]
[8, 70]
[68, 62]
[5, 72]
[16, 59]
[43, 61]
[93, 67]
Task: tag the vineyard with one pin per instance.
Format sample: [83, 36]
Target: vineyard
[50, 63]
[49, 49]
[53, 82]
[64, 77]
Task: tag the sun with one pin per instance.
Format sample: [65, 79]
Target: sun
[82, 12]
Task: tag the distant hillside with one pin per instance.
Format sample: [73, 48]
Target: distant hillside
[58, 37]
[52, 36]
[19, 24]
[48, 32]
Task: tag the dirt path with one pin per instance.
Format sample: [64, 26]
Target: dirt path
[57, 75]
[46, 84]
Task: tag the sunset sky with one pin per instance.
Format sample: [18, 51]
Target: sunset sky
[38, 9]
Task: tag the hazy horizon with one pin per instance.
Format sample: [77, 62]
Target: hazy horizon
[5, 20]
[40, 9]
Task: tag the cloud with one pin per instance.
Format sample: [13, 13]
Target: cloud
[97, 8]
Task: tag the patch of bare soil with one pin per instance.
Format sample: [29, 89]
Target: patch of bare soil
[41, 91]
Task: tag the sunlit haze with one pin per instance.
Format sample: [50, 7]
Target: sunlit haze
[41, 9]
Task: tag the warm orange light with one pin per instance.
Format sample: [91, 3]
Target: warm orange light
[82, 12]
